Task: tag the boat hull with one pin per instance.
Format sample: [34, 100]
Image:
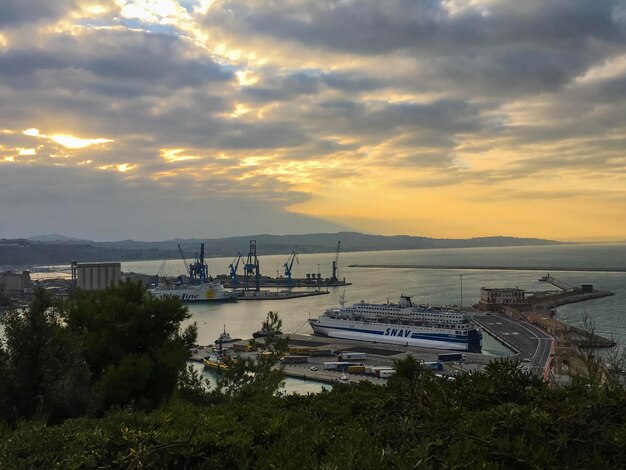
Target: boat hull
[400, 335]
[195, 293]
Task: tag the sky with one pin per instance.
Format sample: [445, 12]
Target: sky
[159, 119]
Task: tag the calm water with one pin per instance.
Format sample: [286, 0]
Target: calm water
[436, 286]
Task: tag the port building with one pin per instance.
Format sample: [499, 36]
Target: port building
[495, 299]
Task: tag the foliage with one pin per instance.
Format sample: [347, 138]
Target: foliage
[43, 368]
[250, 377]
[114, 347]
[469, 423]
[131, 342]
[4, 300]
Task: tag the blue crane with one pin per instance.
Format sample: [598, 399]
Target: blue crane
[234, 280]
[288, 265]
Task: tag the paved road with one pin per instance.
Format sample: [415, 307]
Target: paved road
[532, 342]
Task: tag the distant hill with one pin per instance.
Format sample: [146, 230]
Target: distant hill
[55, 237]
[57, 249]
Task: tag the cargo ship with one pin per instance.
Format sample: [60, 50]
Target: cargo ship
[402, 324]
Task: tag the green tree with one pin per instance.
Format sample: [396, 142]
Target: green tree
[260, 376]
[132, 343]
[43, 368]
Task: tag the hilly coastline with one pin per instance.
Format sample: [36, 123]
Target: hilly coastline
[44, 250]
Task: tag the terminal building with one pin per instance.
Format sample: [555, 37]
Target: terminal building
[496, 299]
[95, 276]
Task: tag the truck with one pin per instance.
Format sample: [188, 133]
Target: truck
[432, 365]
[451, 357]
[351, 356]
[294, 360]
[386, 373]
[299, 350]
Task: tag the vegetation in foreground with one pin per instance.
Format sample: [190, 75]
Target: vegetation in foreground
[502, 418]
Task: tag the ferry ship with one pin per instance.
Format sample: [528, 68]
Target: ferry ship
[203, 292]
[199, 287]
[401, 323]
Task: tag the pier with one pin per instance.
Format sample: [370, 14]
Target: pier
[555, 282]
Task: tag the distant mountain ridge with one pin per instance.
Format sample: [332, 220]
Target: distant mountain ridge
[58, 249]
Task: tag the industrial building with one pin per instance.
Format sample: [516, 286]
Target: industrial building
[95, 276]
[16, 286]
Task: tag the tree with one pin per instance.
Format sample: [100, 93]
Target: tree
[44, 371]
[247, 377]
[132, 343]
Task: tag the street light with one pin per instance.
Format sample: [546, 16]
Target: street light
[461, 276]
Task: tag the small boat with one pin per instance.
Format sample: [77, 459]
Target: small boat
[216, 360]
[225, 340]
[263, 334]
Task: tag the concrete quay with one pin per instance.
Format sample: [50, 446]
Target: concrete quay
[378, 355]
[533, 345]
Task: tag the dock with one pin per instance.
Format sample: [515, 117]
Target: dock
[555, 282]
[278, 295]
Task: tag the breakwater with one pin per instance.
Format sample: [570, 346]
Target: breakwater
[491, 268]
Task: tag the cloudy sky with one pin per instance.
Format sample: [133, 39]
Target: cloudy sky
[155, 119]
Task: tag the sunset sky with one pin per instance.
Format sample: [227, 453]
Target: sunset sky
[157, 119]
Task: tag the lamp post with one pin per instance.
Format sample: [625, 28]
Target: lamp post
[461, 276]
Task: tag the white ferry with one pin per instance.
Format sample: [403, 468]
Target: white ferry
[202, 292]
[402, 323]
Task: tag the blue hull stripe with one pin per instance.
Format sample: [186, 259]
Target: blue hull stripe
[434, 336]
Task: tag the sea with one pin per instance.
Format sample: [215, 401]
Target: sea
[454, 277]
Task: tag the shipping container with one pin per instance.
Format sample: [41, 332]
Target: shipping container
[356, 369]
[299, 350]
[330, 365]
[351, 356]
[386, 373]
[320, 352]
[294, 360]
[432, 365]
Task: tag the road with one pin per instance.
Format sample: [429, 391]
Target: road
[532, 342]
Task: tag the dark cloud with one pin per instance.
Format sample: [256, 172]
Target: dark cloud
[16, 12]
[123, 57]
[498, 47]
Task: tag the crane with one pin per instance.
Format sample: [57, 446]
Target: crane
[234, 281]
[293, 257]
[182, 256]
[334, 277]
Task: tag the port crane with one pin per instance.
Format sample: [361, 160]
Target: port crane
[289, 264]
[234, 266]
[197, 271]
[334, 278]
[251, 267]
